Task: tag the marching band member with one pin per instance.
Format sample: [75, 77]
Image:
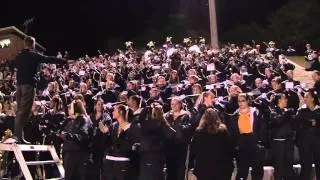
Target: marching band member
[156, 131]
[237, 80]
[174, 77]
[269, 75]
[76, 136]
[97, 147]
[192, 79]
[191, 101]
[309, 49]
[282, 136]
[212, 148]
[232, 104]
[87, 95]
[308, 117]
[249, 133]
[110, 94]
[122, 139]
[219, 89]
[180, 121]
[49, 92]
[132, 85]
[293, 98]
[135, 103]
[205, 101]
[154, 96]
[260, 86]
[164, 88]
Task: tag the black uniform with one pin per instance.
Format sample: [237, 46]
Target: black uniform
[152, 150]
[89, 102]
[230, 107]
[308, 141]
[119, 159]
[177, 147]
[76, 148]
[199, 111]
[213, 154]
[97, 148]
[282, 134]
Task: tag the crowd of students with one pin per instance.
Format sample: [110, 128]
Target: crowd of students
[158, 113]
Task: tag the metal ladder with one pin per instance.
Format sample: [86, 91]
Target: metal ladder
[19, 148]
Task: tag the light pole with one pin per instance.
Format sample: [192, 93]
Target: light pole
[213, 24]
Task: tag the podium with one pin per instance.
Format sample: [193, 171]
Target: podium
[17, 149]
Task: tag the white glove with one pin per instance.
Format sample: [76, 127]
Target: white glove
[264, 95]
[109, 105]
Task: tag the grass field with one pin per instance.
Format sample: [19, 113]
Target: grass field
[297, 59]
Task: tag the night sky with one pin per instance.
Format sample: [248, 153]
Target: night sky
[84, 26]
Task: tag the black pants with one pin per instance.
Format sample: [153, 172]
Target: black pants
[176, 166]
[25, 96]
[225, 174]
[76, 165]
[250, 155]
[117, 170]
[283, 159]
[96, 167]
[152, 171]
[214, 177]
[309, 148]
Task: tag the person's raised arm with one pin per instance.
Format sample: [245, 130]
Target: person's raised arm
[48, 59]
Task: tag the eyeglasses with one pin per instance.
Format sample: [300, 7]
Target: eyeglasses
[240, 101]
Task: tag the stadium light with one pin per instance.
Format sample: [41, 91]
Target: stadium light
[5, 43]
[213, 24]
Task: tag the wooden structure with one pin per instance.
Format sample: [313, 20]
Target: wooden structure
[12, 42]
[17, 149]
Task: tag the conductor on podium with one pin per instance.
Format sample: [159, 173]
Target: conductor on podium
[26, 64]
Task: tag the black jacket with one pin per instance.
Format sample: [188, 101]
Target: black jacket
[121, 146]
[183, 127]
[27, 63]
[304, 115]
[154, 134]
[259, 127]
[213, 153]
[282, 123]
[79, 133]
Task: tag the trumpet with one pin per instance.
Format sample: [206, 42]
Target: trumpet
[110, 105]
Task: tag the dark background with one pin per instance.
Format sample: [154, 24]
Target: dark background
[84, 26]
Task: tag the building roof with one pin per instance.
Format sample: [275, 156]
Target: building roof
[16, 31]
